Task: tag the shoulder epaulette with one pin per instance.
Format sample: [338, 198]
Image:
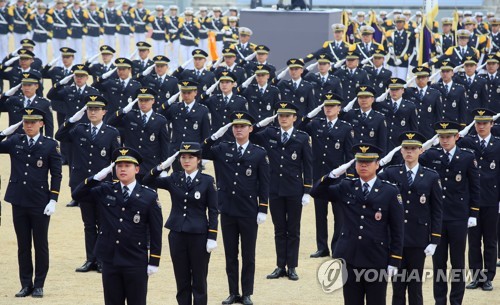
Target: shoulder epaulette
[147, 188]
[327, 43]
[467, 150]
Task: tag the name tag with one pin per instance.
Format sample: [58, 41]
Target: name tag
[110, 197]
[133, 123]
[229, 155]
[273, 141]
[19, 146]
[436, 161]
[83, 139]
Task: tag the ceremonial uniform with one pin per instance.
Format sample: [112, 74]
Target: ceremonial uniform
[261, 100]
[205, 25]
[324, 83]
[71, 96]
[189, 34]
[15, 75]
[379, 78]
[493, 91]
[20, 22]
[351, 80]
[5, 21]
[251, 66]
[140, 18]
[124, 29]
[231, 34]
[98, 69]
[159, 35]
[173, 23]
[204, 78]
[111, 20]
[41, 26]
[372, 129]
[77, 20]
[217, 25]
[300, 93]
[92, 32]
[400, 44]
[59, 30]
[453, 101]
[337, 49]
[429, 108]
[476, 95]
[457, 55]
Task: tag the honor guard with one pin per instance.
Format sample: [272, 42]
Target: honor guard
[199, 74]
[337, 48]
[91, 146]
[379, 76]
[372, 234]
[118, 91]
[297, 90]
[261, 95]
[400, 113]
[129, 239]
[351, 77]
[452, 95]
[262, 54]
[229, 64]
[41, 24]
[189, 34]
[77, 18]
[369, 126]
[143, 62]
[192, 234]
[19, 14]
[15, 73]
[144, 130]
[482, 262]
[222, 105]
[29, 45]
[173, 23]
[457, 168]
[107, 54]
[400, 44]
[494, 38]
[140, 17]
[476, 40]
[427, 100]
[367, 46]
[189, 119]
[446, 39]
[290, 156]
[331, 144]
[92, 30]
[28, 97]
[244, 47]
[422, 199]
[124, 28]
[159, 35]
[482, 26]
[324, 81]
[5, 21]
[205, 23]
[110, 21]
[32, 157]
[476, 91]
[493, 82]
[60, 27]
[217, 25]
[231, 32]
[165, 85]
[243, 178]
[457, 54]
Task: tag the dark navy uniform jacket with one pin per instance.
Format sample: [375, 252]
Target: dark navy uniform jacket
[261, 106]
[404, 119]
[14, 74]
[70, 98]
[454, 103]
[429, 109]
[303, 97]
[332, 84]
[493, 91]
[55, 74]
[371, 130]
[351, 82]
[114, 92]
[372, 235]
[476, 95]
[205, 80]
[331, 48]
[138, 67]
[168, 87]
[378, 80]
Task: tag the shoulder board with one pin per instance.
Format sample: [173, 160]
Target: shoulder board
[227, 142]
[390, 183]
[82, 124]
[111, 127]
[147, 188]
[302, 132]
[53, 140]
[449, 51]
[389, 33]
[345, 123]
[388, 22]
[375, 111]
[327, 43]
[201, 105]
[351, 179]
[467, 150]
[429, 170]
[436, 148]
[49, 19]
[160, 115]
[258, 146]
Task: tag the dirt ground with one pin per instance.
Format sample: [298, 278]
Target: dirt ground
[66, 244]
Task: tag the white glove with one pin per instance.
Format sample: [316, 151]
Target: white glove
[103, 173]
[472, 222]
[130, 104]
[248, 81]
[455, 70]
[397, 61]
[12, 90]
[261, 218]
[184, 65]
[15, 51]
[91, 60]
[148, 70]
[167, 163]
[173, 98]
[78, 115]
[341, 169]
[366, 60]
[152, 270]
[54, 61]
[10, 61]
[496, 116]
[315, 111]
[391, 51]
[133, 54]
[466, 129]
[108, 74]
[349, 105]
[219, 133]
[266, 121]
[389, 156]
[339, 63]
[212, 88]
[391, 270]
[251, 56]
[66, 80]
[439, 49]
[430, 250]
[430, 142]
[50, 208]
[10, 130]
[211, 245]
[311, 66]
[217, 63]
[305, 199]
[280, 76]
[382, 97]
[163, 174]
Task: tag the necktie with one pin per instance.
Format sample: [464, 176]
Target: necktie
[126, 196]
[294, 86]
[394, 106]
[28, 103]
[261, 91]
[31, 142]
[197, 73]
[330, 125]
[447, 88]
[187, 109]
[447, 159]
[79, 91]
[323, 79]
[106, 69]
[410, 177]
[160, 80]
[66, 72]
[144, 120]
[352, 72]
[363, 115]
[189, 181]
[483, 144]
[366, 46]
[123, 85]
[366, 189]
[469, 81]
[463, 52]
[491, 78]
[144, 63]
[284, 138]
[94, 133]
[421, 94]
[226, 100]
[240, 151]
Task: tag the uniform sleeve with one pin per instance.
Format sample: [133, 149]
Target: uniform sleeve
[396, 228]
[164, 142]
[311, 100]
[436, 211]
[382, 137]
[116, 119]
[205, 126]
[348, 143]
[5, 144]
[213, 211]
[152, 180]
[413, 118]
[307, 165]
[49, 123]
[325, 189]
[264, 181]
[55, 167]
[439, 107]
[463, 110]
[474, 189]
[63, 134]
[155, 231]
[209, 150]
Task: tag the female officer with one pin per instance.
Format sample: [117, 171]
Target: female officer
[192, 234]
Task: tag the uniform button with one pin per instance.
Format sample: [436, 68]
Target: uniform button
[281, 175]
[123, 209]
[140, 139]
[406, 221]
[25, 173]
[445, 179]
[234, 183]
[185, 207]
[29, 156]
[361, 227]
[360, 237]
[117, 241]
[186, 193]
[119, 230]
[444, 187]
[406, 211]
[185, 200]
[90, 155]
[364, 206]
[90, 162]
[184, 215]
[362, 217]
[27, 164]
[233, 192]
[89, 170]
[140, 146]
[121, 219]
[236, 174]
[24, 182]
[91, 146]
[281, 165]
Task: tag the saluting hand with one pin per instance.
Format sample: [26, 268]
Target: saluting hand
[10, 130]
[78, 115]
[130, 104]
[148, 70]
[10, 61]
[167, 163]
[152, 270]
[103, 173]
[219, 133]
[12, 90]
[66, 80]
[266, 121]
[108, 74]
[315, 111]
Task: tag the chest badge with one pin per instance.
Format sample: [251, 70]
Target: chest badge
[103, 152]
[403, 123]
[137, 218]
[429, 109]
[372, 134]
[248, 172]
[268, 107]
[378, 216]
[458, 178]
[152, 137]
[493, 165]
[195, 126]
[454, 104]
[39, 163]
[381, 85]
[337, 145]
[301, 99]
[475, 96]
[167, 95]
[294, 156]
[197, 195]
[423, 199]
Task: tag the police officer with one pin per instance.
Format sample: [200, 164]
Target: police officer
[400, 43]
[369, 126]
[337, 48]
[159, 35]
[446, 39]
[422, 197]
[324, 81]
[372, 234]
[125, 28]
[188, 119]
[379, 76]
[244, 47]
[494, 38]
[351, 77]
[367, 46]
[77, 19]
[92, 145]
[290, 153]
[230, 65]
[452, 95]
[143, 62]
[205, 23]
[262, 54]
[400, 114]
[457, 54]
[217, 24]
[60, 27]
[140, 16]
[16, 73]
[493, 81]
[487, 150]
[192, 234]
[189, 34]
[5, 21]
[131, 219]
[165, 85]
[98, 69]
[331, 146]
[222, 105]
[199, 74]
[92, 30]
[33, 157]
[173, 23]
[41, 25]
[231, 32]
[460, 179]
[144, 129]
[242, 170]
[110, 21]
[19, 14]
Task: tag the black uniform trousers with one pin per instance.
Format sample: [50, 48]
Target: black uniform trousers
[485, 232]
[232, 229]
[120, 283]
[90, 217]
[358, 286]
[321, 214]
[409, 277]
[64, 146]
[31, 225]
[190, 261]
[286, 213]
[453, 238]
[498, 234]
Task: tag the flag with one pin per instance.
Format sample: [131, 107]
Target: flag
[349, 29]
[431, 12]
[378, 35]
[425, 37]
